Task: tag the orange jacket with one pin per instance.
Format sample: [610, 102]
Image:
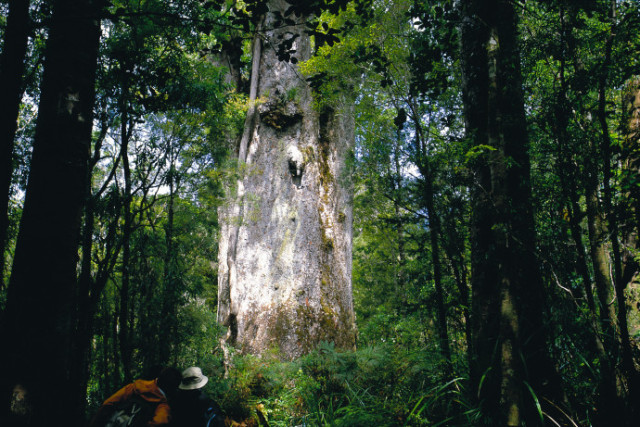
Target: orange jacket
[147, 390]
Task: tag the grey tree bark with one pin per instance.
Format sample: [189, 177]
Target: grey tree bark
[284, 277]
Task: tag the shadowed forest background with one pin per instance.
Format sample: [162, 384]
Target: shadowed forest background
[493, 216]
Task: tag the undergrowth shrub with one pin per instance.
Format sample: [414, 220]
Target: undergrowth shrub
[373, 386]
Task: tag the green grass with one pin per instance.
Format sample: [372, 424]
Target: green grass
[381, 386]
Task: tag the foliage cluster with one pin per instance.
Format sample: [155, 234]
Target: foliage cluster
[376, 385]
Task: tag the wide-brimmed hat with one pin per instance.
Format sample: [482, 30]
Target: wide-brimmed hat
[192, 378]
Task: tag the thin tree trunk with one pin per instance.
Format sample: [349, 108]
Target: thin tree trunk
[400, 287]
[116, 354]
[631, 267]
[435, 230]
[483, 269]
[170, 291]
[611, 392]
[86, 307]
[434, 235]
[12, 67]
[610, 404]
[228, 270]
[124, 337]
[576, 234]
[628, 366]
[566, 170]
[597, 252]
[630, 159]
[460, 274]
[567, 175]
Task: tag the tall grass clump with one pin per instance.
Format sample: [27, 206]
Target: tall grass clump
[376, 385]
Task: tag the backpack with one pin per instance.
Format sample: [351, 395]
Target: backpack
[135, 412]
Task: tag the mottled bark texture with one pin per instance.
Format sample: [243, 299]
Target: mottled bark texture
[285, 241]
[631, 156]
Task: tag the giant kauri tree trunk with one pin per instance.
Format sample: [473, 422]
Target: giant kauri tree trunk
[285, 244]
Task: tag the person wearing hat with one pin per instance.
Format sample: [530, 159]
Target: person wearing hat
[191, 406]
[151, 396]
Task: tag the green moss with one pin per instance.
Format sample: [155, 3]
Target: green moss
[278, 328]
[306, 319]
[325, 276]
[292, 95]
[254, 211]
[327, 242]
[307, 153]
[328, 319]
[324, 142]
[306, 323]
[279, 114]
[326, 177]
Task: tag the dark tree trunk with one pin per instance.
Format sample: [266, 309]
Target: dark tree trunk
[92, 283]
[611, 216]
[459, 270]
[435, 231]
[124, 337]
[484, 275]
[85, 286]
[400, 281]
[169, 279]
[599, 260]
[434, 235]
[42, 305]
[575, 213]
[628, 366]
[12, 66]
[507, 304]
[566, 170]
[610, 404]
[631, 165]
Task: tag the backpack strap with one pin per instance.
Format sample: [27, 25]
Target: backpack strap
[212, 416]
